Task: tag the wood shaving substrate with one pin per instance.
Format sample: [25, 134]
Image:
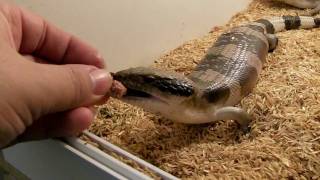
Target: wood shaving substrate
[285, 138]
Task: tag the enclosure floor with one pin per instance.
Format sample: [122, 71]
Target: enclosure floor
[285, 138]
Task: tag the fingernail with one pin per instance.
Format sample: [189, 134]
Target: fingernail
[101, 81]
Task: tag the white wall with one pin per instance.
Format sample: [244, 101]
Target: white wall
[130, 32]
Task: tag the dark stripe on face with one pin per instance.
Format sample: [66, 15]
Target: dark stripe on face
[136, 93]
[217, 94]
[317, 22]
[172, 86]
[269, 26]
[141, 81]
[292, 22]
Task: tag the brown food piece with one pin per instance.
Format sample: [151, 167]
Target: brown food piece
[118, 90]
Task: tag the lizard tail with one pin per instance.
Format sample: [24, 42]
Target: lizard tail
[277, 24]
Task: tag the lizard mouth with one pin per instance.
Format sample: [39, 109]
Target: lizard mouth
[136, 93]
[133, 94]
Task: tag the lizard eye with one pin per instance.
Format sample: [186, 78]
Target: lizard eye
[149, 79]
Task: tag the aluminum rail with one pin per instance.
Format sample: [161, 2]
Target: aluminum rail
[110, 147]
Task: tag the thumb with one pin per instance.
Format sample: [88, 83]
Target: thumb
[64, 87]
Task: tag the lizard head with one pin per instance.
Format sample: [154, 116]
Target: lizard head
[167, 93]
[150, 84]
[158, 91]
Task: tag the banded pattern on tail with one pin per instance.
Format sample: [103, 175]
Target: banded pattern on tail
[277, 24]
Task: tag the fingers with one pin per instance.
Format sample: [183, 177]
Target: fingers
[36, 90]
[46, 41]
[47, 88]
[65, 124]
[59, 89]
[69, 86]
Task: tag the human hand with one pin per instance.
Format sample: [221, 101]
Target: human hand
[49, 79]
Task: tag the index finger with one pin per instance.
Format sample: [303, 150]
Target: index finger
[42, 39]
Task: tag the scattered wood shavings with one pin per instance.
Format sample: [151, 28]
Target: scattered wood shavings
[284, 141]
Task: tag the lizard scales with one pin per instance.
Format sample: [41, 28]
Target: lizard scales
[227, 73]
